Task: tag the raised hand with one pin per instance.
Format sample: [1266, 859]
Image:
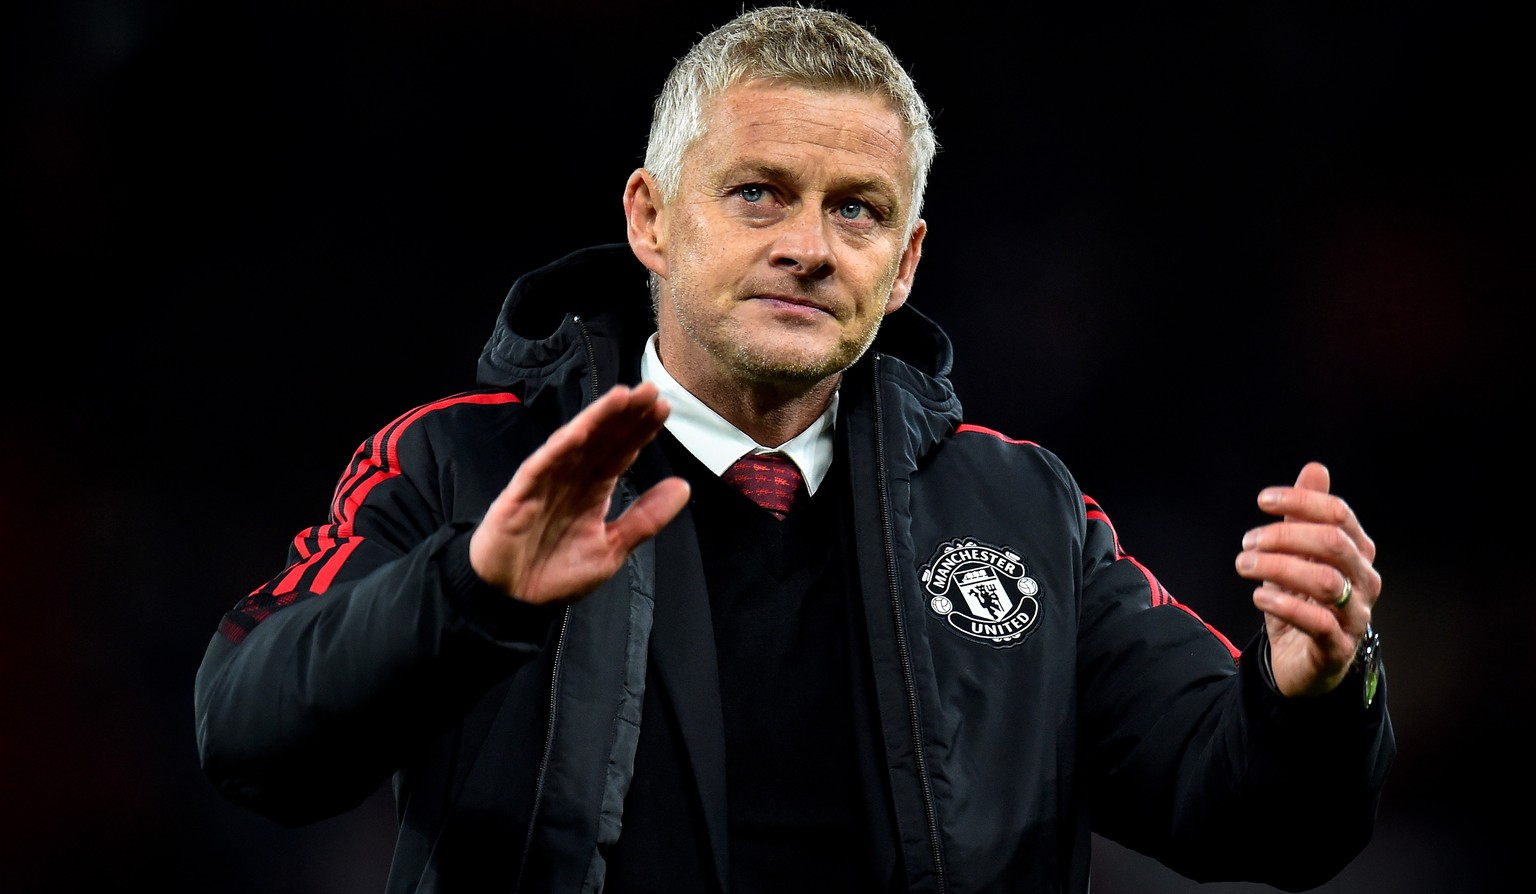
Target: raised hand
[1317, 582]
[546, 537]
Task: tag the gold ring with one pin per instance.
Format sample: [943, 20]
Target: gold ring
[1349, 590]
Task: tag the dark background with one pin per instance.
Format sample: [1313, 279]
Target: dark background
[1187, 249]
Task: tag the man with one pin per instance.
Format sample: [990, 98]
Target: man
[588, 662]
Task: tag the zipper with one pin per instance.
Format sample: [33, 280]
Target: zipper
[549, 738]
[554, 675]
[586, 341]
[888, 541]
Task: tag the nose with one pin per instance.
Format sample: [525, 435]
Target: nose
[803, 244]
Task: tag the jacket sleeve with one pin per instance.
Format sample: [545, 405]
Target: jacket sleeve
[375, 638]
[1195, 759]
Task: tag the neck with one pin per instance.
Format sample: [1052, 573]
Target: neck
[770, 414]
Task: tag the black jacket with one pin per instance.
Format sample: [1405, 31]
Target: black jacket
[1034, 682]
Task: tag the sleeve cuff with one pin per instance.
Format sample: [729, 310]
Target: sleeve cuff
[1302, 715]
[487, 611]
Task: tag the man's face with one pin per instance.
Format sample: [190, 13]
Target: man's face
[785, 245]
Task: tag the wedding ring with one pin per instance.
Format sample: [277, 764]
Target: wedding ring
[1349, 590]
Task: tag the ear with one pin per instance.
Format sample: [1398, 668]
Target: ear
[645, 216]
[907, 267]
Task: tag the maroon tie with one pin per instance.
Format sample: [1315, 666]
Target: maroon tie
[771, 480]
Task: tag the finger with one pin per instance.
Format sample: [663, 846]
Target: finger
[606, 419]
[634, 427]
[1324, 543]
[1306, 500]
[1314, 583]
[619, 407]
[1297, 610]
[1309, 501]
[1320, 581]
[617, 454]
[622, 426]
[552, 466]
[601, 441]
[649, 514]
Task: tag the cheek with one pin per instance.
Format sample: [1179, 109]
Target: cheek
[880, 280]
[893, 269]
[713, 263]
[693, 247]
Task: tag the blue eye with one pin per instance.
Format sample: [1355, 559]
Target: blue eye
[752, 194]
[852, 210]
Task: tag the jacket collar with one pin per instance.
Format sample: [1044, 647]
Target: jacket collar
[570, 330]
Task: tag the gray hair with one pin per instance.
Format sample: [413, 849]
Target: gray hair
[798, 45]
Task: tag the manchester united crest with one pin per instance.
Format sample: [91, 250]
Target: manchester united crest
[983, 592]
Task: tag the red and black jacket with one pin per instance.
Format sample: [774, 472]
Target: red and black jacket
[1035, 683]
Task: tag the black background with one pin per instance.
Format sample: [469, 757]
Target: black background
[1187, 249]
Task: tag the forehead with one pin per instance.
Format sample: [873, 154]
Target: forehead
[786, 124]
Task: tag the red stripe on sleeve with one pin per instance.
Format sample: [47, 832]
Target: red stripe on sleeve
[327, 574]
[982, 429]
[327, 547]
[1159, 593]
[289, 580]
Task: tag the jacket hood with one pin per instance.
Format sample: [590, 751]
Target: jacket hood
[583, 321]
[571, 329]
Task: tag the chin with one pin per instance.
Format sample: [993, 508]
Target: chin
[790, 366]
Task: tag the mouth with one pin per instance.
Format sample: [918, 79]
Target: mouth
[794, 304]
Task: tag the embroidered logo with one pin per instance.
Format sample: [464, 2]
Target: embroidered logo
[983, 591]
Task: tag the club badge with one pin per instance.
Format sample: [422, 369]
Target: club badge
[982, 591]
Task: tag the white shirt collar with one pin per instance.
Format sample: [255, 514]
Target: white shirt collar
[717, 443]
